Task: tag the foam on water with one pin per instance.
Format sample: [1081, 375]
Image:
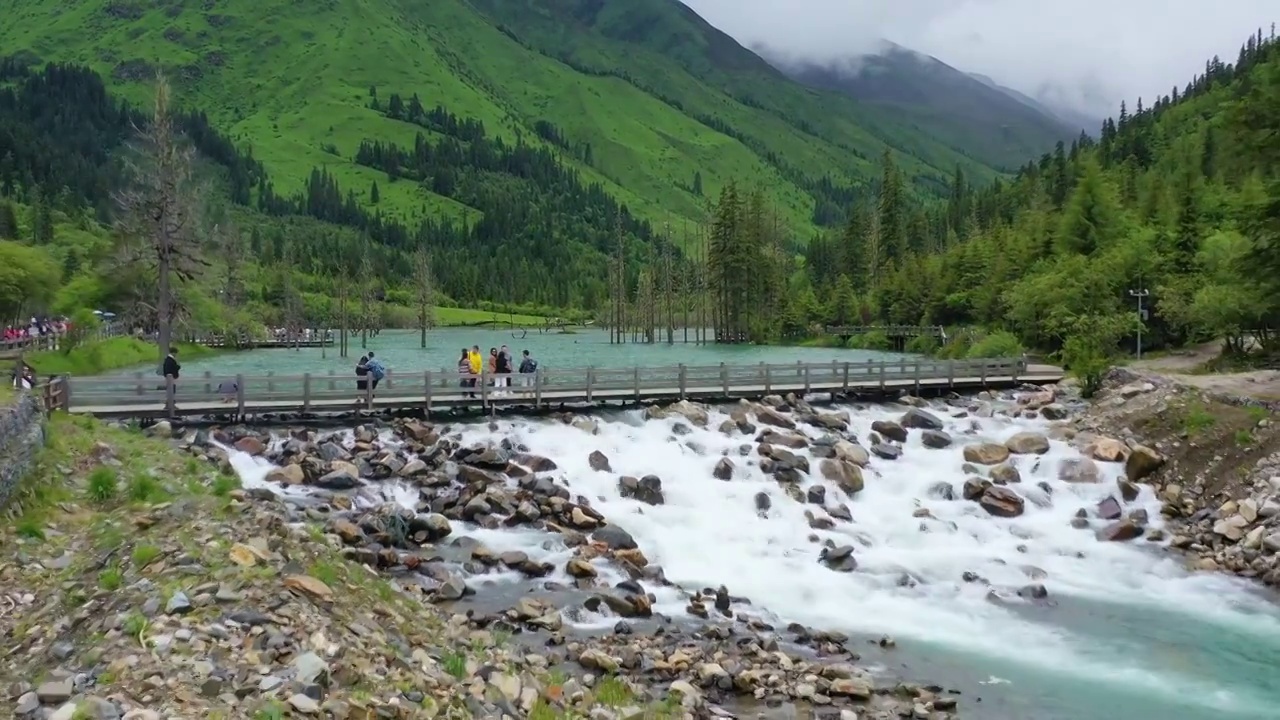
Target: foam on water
[708, 533]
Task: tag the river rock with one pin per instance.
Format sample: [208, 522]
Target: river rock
[1079, 470]
[1128, 491]
[1001, 502]
[935, 439]
[1142, 462]
[614, 537]
[840, 558]
[251, 445]
[1120, 531]
[692, 412]
[338, 480]
[986, 453]
[599, 461]
[647, 489]
[852, 452]
[890, 429]
[763, 503]
[886, 451]
[1232, 528]
[1107, 450]
[1109, 509]
[843, 473]
[723, 469]
[920, 420]
[1005, 474]
[768, 416]
[784, 439]
[1027, 443]
[290, 474]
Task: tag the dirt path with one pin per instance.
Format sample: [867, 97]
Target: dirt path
[1178, 366]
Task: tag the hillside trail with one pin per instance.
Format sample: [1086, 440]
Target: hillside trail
[1180, 366]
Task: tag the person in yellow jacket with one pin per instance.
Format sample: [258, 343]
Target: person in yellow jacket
[474, 363]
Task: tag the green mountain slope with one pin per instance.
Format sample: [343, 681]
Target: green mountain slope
[666, 104]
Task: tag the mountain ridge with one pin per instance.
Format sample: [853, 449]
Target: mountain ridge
[662, 98]
[948, 103]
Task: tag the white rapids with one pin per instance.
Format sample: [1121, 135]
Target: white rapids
[708, 533]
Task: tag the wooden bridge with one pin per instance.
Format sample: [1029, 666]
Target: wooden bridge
[242, 396]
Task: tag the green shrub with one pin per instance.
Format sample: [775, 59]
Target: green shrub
[996, 345]
[874, 340]
[924, 345]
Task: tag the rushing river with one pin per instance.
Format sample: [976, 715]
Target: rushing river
[1127, 632]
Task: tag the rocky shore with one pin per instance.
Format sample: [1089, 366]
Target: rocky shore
[1218, 469]
[139, 583]
[179, 594]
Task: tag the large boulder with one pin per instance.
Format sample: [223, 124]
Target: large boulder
[890, 429]
[1079, 470]
[1027, 443]
[599, 461]
[1142, 462]
[986, 453]
[1001, 502]
[723, 469]
[843, 473]
[852, 452]
[921, 420]
[647, 489]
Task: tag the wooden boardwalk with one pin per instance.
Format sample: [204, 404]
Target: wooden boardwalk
[242, 396]
[890, 331]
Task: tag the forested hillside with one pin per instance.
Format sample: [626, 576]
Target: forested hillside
[1179, 197]
[642, 98]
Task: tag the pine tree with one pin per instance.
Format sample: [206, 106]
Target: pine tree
[41, 217]
[8, 221]
[892, 210]
[1091, 219]
[374, 197]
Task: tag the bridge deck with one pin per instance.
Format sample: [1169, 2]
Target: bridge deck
[148, 397]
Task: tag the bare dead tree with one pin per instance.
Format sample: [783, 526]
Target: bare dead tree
[231, 246]
[425, 285]
[367, 299]
[291, 299]
[344, 310]
[159, 214]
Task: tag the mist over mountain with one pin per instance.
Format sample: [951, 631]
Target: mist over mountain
[941, 100]
[1082, 57]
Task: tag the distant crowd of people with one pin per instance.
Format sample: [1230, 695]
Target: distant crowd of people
[38, 327]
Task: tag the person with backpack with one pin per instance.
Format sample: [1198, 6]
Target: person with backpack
[528, 366]
[362, 374]
[377, 370]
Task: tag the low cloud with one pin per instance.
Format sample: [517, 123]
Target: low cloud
[1087, 55]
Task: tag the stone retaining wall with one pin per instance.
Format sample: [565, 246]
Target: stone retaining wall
[21, 438]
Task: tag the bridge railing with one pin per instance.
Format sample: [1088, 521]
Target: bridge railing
[309, 391]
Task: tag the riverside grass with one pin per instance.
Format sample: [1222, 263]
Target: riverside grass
[99, 356]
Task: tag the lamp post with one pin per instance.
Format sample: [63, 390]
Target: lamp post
[1139, 294]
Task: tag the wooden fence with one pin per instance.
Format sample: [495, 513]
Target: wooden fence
[144, 395]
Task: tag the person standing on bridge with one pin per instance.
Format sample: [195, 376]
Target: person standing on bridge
[171, 367]
[377, 370]
[362, 375]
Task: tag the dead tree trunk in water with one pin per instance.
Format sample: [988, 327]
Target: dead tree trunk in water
[424, 285]
[159, 211]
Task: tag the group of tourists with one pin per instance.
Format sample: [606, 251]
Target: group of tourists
[472, 363]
